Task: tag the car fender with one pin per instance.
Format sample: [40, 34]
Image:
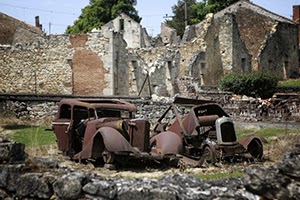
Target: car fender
[166, 143]
[114, 141]
[253, 144]
[105, 138]
[246, 140]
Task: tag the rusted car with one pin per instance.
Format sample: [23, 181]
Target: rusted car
[207, 132]
[106, 130]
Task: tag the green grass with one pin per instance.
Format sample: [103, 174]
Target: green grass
[219, 175]
[290, 82]
[33, 136]
[267, 133]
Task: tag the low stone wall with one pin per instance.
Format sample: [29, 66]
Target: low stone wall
[46, 179]
[240, 108]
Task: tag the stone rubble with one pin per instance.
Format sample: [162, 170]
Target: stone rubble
[20, 181]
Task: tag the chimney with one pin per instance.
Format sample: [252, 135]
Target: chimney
[296, 18]
[37, 22]
[296, 13]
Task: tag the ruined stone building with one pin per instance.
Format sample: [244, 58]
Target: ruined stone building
[119, 60]
[241, 38]
[133, 33]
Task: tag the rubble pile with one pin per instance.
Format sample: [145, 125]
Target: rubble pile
[47, 179]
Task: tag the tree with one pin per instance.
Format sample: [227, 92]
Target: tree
[196, 12]
[178, 21]
[99, 12]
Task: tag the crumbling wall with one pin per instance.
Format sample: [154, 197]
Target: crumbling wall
[168, 35]
[120, 66]
[168, 66]
[87, 67]
[133, 33]
[162, 67]
[279, 54]
[63, 64]
[39, 68]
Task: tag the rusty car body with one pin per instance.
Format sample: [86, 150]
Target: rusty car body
[106, 130]
[207, 132]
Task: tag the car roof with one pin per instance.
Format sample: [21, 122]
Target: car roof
[190, 102]
[100, 103]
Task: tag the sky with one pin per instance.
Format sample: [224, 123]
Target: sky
[56, 15]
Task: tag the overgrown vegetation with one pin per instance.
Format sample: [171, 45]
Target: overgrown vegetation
[256, 84]
[267, 132]
[280, 140]
[32, 136]
[220, 175]
[290, 83]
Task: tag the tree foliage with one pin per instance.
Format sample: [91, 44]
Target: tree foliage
[99, 12]
[196, 12]
[257, 84]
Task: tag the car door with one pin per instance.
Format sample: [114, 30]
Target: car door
[62, 126]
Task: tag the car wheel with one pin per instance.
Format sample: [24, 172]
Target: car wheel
[108, 157]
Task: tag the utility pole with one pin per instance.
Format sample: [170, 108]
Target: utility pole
[50, 27]
[185, 13]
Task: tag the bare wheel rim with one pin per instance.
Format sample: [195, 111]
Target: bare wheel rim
[108, 157]
[208, 154]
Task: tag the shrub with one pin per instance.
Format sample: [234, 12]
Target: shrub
[256, 84]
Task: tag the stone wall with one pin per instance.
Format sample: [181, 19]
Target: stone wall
[62, 64]
[242, 38]
[270, 40]
[113, 60]
[38, 68]
[279, 54]
[133, 33]
[241, 109]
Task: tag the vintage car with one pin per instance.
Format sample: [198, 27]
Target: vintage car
[207, 132]
[106, 130]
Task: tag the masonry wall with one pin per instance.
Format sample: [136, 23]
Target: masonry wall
[133, 33]
[279, 54]
[160, 64]
[40, 68]
[62, 64]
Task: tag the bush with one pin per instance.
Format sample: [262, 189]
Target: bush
[257, 84]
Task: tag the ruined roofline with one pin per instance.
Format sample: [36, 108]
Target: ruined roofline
[256, 8]
[18, 22]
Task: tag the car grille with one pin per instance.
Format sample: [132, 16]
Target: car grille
[227, 132]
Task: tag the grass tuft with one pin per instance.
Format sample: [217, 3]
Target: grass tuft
[268, 133]
[290, 83]
[33, 136]
[220, 175]
[282, 144]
